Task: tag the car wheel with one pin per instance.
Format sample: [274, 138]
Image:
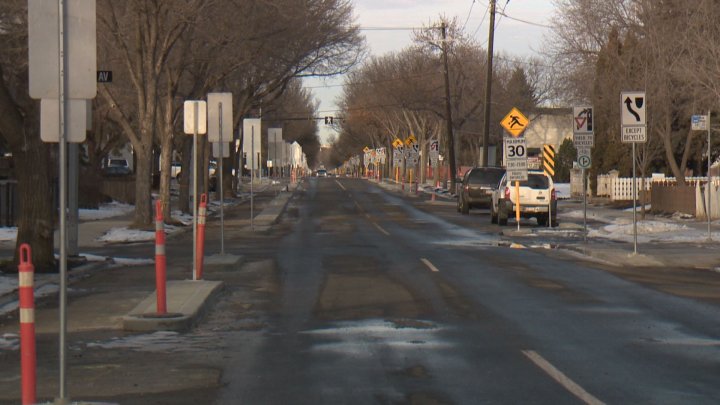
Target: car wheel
[502, 216]
[493, 215]
[464, 208]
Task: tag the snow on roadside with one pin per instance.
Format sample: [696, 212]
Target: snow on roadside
[113, 209]
[127, 235]
[8, 234]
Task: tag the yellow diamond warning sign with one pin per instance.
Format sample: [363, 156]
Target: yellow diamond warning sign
[515, 122]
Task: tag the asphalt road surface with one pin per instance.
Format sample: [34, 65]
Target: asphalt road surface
[359, 296]
[380, 302]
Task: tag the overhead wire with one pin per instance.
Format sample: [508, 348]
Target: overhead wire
[468, 15]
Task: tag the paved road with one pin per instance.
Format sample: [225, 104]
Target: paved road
[361, 296]
[380, 302]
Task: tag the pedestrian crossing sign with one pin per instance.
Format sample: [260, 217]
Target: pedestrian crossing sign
[515, 122]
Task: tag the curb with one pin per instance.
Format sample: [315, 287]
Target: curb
[187, 302]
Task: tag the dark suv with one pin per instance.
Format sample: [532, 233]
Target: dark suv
[477, 187]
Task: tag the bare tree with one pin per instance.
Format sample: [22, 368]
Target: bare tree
[20, 129]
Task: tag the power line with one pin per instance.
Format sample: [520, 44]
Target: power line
[487, 9]
[502, 13]
[468, 15]
[394, 79]
[389, 28]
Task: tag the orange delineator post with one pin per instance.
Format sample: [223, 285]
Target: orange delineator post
[200, 256]
[28, 356]
[160, 260]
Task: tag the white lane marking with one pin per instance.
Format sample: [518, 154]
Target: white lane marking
[380, 228]
[561, 378]
[358, 206]
[430, 265]
[339, 184]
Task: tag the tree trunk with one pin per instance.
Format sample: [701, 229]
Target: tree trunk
[166, 148]
[143, 187]
[35, 197]
[32, 162]
[184, 199]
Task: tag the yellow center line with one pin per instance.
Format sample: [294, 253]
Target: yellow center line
[430, 265]
[561, 378]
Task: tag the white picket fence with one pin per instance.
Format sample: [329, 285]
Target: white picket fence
[621, 188]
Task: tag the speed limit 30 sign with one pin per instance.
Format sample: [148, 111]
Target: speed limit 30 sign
[516, 159]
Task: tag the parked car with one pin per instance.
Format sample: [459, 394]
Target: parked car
[117, 167]
[537, 199]
[322, 173]
[477, 186]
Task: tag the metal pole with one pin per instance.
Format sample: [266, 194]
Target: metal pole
[72, 190]
[63, 206]
[634, 191]
[584, 186]
[222, 196]
[709, 182]
[488, 86]
[252, 175]
[195, 185]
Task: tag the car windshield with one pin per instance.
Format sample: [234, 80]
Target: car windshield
[117, 162]
[536, 181]
[486, 176]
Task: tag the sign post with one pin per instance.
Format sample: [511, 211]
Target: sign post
[62, 69]
[195, 122]
[516, 153]
[701, 123]
[633, 107]
[220, 129]
[584, 140]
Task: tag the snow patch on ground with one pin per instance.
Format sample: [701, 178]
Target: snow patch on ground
[113, 209]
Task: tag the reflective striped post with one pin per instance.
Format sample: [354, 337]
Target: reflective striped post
[28, 356]
[160, 260]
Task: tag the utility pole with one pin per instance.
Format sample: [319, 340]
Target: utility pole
[448, 111]
[488, 87]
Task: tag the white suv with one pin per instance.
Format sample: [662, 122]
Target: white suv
[537, 199]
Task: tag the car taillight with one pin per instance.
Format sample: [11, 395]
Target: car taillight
[507, 193]
[553, 196]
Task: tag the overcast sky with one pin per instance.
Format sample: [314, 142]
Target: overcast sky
[511, 36]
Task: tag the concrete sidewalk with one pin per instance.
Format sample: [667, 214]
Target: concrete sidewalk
[186, 299]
